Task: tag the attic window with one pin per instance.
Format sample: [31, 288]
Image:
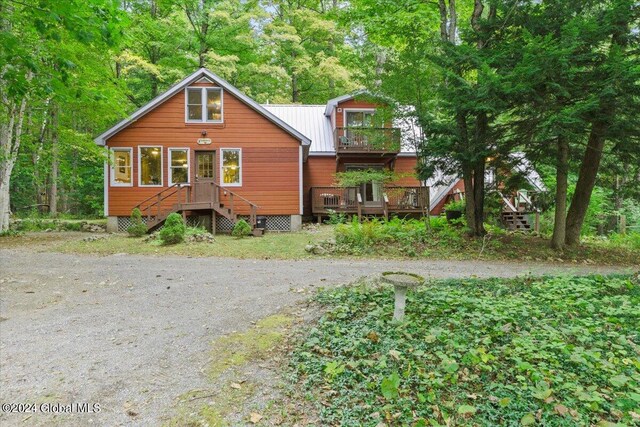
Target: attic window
[204, 104]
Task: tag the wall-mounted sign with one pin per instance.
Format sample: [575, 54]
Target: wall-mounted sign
[204, 141]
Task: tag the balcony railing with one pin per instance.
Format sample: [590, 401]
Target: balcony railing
[367, 140]
[395, 199]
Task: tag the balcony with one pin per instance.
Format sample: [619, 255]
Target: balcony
[364, 140]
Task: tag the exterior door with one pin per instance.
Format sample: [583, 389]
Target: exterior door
[355, 121]
[371, 191]
[205, 176]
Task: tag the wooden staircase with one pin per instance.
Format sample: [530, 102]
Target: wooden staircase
[516, 221]
[206, 196]
[517, 213]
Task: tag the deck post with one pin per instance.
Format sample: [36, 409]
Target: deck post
[213, 221]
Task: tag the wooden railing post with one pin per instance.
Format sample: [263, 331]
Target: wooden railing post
[159, 201]
[385, 204]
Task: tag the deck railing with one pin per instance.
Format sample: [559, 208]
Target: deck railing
[367, 139]
[395, 199]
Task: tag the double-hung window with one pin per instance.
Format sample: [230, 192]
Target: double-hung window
[121, 167]
[204, 105]
[231, 166]
[150, 166]
[178, 165]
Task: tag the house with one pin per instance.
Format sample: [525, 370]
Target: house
[208, 151]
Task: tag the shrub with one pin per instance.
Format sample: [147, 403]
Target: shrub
[174, 229]
[241, 229]
[336, 217]
[456, 205]
[138, 227]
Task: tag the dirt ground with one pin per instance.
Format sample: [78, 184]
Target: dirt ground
[134, 333]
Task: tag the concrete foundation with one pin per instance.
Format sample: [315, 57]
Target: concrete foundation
[112, 224]
[296, 222]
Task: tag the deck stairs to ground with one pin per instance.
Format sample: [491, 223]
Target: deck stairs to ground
[200, 196]
[516, 214]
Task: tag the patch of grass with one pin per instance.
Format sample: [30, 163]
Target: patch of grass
[410, 238]
[239, 348]
[193, 413]
[270, 246]
[228, 354]
[556, 351]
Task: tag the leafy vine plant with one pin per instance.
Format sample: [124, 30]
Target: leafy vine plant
[355, 178]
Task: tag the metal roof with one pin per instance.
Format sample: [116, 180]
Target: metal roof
[310, 121]
[228, 87]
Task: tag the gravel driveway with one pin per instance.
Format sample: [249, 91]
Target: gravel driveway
[131, 333]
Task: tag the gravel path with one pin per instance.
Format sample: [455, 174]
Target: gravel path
[131, 333]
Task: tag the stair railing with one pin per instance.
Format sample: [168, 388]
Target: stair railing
[155, 202]
[253, 208]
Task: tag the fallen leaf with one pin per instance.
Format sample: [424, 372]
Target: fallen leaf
[528, 420]
[395, 354]
[255, 418]
[236, 386]
[373, 336]
[561, 409]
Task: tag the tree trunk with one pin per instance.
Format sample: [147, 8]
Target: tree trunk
[10, 135]
[470, 202]
[586, 182]
[55, 162]
[599, 128]
[295, 91]
[562, 174]
[478, 200]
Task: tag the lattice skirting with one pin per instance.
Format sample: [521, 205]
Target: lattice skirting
[223, 225]
[274, 223]
[124, 222]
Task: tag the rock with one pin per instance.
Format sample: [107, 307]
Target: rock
[319, 250]
[202, 237]
[93, 238]
[309, 248]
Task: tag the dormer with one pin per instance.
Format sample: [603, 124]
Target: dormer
[362, 124]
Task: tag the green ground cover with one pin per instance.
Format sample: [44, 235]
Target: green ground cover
[560, 351]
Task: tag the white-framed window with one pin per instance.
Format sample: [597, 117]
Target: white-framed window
[150, 166]
[122, 167]
[203, 105]
[179, 165]
[231, 167]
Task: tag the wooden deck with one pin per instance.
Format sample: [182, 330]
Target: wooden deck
[402, 200]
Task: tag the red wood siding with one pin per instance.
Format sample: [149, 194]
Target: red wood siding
[270, 156]
[439, 208]
[318, 172]
[407, 165]
[352, 104]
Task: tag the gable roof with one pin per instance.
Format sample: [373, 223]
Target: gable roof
[333, 103]
[228, 87]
